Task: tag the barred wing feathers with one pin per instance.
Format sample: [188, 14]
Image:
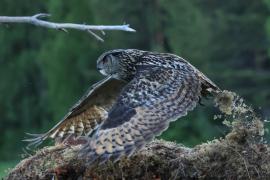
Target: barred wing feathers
[143, 110]
[86, 114]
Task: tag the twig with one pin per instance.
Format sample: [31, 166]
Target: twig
[95, 35]
[36, 20]
[244, 160]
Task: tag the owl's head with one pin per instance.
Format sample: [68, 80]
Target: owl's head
[121, 63]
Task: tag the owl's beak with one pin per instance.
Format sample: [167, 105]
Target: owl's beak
[102, 71]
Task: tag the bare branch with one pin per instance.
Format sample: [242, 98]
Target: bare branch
[36, 20]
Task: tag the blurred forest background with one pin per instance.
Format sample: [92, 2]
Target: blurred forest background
[44, 72]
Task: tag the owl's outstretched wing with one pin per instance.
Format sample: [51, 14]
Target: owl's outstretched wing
[143, 110]
[86, 114]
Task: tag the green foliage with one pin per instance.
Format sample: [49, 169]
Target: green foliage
[68, 60]
[43, 72]
[5, 167]
[188, 33]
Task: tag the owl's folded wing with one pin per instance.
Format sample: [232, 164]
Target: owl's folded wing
[86, 114]
[143, 110]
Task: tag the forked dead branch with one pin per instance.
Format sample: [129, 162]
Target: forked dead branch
[37, 20]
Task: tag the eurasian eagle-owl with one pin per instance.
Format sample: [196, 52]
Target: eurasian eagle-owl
[141, 93]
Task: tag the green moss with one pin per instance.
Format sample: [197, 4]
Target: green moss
[241, 154]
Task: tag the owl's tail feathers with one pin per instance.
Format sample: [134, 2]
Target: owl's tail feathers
[209, 89]
[35, 140]
[92, 156]
[113, 145]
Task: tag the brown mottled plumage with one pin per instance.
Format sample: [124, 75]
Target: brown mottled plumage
[85, 115]
[150, 90]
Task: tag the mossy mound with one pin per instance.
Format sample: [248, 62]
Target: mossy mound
[241, 154]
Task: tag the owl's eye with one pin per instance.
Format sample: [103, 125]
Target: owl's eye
[105, 60]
